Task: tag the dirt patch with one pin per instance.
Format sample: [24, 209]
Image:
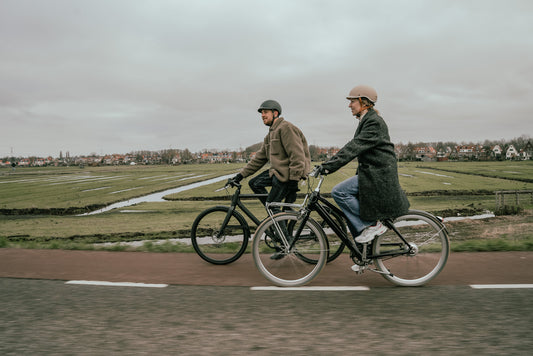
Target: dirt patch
[507, 226]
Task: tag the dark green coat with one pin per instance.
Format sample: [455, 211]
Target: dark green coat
[380, 194]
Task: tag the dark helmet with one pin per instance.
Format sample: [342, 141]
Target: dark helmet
[270, 105]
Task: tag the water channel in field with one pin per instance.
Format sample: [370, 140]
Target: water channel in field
[157, 197]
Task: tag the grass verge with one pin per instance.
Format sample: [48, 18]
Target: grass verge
[500, 233]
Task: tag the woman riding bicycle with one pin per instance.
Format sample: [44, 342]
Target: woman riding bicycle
[374, 193]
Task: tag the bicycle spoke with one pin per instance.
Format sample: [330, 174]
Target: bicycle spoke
[419, 262]
[216, 243]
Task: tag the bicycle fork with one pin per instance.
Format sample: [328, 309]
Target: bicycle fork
[288, 240]
[220, 233]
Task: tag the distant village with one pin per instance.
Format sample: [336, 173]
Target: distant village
[521, 149]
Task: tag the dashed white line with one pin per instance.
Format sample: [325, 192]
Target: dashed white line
[500, 286]
[328, 289]
[118, 284]
[275, 288]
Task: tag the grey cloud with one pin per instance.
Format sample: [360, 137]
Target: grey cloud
[153, 74]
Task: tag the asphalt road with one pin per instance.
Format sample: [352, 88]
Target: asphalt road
[209, 310]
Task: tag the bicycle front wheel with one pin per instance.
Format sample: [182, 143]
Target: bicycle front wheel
[282, 264]
[422, 259]
[216, 242]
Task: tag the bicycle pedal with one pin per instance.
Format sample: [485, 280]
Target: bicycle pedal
[358, 269]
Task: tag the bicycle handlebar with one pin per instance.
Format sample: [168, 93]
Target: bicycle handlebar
[315, 172]
[228, 185]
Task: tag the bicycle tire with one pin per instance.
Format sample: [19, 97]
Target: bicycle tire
[224, 249]
[430, 248]
[291, 270]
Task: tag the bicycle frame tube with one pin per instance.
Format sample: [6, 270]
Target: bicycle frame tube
[312, 202]
[319, 206]
[248, 213]
[236, 202]
[389, 223]
[331, 206]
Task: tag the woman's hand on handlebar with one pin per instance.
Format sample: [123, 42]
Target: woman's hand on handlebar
[318, 171]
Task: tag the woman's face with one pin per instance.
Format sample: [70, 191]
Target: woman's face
[355, 106]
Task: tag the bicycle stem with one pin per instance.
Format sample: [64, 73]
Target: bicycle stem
[319, 185]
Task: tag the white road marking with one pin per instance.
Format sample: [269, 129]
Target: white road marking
[500, 286]
[335, 289]
[118, 284]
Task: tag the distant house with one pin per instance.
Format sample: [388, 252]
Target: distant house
[467, 151]
[24, 162]
[426, 153]
[327, 153]
[497, 151]
[239, 157]
[176, 159]
[216, 157]
[444, 154]
[511, 152]
[526, 153]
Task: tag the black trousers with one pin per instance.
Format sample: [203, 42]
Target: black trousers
[278, 192]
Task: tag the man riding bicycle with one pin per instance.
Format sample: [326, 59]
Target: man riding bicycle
[285, 147]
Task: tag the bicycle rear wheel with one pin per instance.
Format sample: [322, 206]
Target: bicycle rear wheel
[428, 245]
[291, 269]
[216, 244]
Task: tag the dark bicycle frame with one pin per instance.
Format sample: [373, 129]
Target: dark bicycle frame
[318, 203]
[236, 202]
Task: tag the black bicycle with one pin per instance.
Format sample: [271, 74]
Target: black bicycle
[220, 234]
[413, 251]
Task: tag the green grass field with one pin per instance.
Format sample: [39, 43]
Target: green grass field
[75, 188]
[37, 204]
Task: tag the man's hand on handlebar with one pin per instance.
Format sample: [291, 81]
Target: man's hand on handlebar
[235, 181]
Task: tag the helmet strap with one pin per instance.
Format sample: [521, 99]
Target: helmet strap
[363, 107]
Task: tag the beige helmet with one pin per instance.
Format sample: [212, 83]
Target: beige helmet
[363, 91]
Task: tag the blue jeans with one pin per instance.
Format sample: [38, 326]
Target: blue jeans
[345, 195]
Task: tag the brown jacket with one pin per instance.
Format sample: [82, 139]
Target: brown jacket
[285, 147]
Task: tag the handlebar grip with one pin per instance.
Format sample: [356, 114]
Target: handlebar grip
[315, 172]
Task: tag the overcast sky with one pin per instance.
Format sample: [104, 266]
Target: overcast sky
[112, 76]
